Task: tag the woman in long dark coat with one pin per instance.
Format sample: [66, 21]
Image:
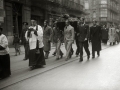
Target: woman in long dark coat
[35, 37]
[4, 57]
[95, 35]
[104, 34]
[117, 39]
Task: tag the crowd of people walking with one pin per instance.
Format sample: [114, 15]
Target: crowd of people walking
[37, 42]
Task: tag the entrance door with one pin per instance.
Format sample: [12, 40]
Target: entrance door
[17, 18]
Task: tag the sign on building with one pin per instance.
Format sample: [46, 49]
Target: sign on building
[1, 4]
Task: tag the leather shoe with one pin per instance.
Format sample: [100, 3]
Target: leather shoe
[81, 59]
[88, 57]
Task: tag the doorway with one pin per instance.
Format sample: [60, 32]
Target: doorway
[17, 18]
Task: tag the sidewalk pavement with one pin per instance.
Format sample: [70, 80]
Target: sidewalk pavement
[12, 49]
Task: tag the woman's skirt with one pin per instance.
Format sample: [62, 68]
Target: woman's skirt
[47, 45]
[36, 59]
[5, 66]
[111, 38]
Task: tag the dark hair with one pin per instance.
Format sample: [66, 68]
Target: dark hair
[68, 21]
[54, 23]
[46, 21]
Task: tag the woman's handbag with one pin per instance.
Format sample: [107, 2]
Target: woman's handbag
[37, 47]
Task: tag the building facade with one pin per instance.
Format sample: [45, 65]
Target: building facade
[104, 11]
[19, 11]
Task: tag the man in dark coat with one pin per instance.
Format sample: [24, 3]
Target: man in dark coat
[95, 36]
[24, 41]
[83, 36]
[104, 34]
[47, 36]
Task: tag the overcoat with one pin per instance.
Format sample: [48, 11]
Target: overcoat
[117, 35]
[47, 37]
[95, 35]
[112, 33]
[104, 33]
[24, 41]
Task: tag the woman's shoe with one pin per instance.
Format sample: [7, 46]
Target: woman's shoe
[32, 68]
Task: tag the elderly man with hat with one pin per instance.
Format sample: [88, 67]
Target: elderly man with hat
[95, 36]
[24, 41]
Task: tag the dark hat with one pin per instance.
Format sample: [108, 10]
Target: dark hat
[46, 21]
[66, 16]
[25, 23]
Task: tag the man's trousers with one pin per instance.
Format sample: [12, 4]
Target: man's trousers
[85, 45]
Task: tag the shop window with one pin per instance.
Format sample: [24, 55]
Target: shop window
[94, 14]
[86, 4]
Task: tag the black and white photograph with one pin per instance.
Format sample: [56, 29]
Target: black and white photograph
[59, 45]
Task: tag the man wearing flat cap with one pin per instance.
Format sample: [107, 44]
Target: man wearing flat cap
[24, 41]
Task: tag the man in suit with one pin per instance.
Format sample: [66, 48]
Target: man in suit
[24, 41]
[95, 36]
[83, 36]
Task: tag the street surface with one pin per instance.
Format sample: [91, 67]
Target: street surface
[101, 73]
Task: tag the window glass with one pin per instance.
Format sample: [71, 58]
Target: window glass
[103, 1]
[86, 5]
[94, 14]
[103, 13]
